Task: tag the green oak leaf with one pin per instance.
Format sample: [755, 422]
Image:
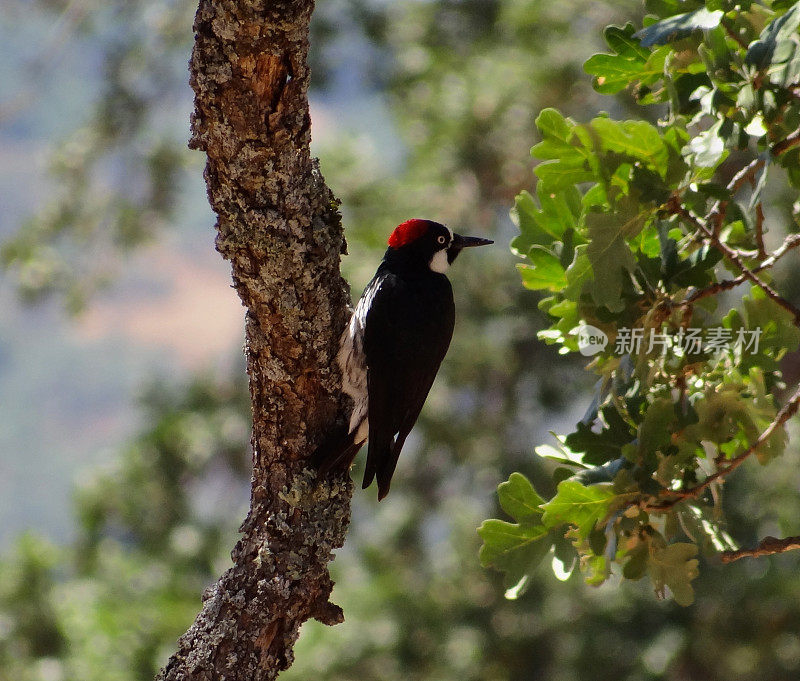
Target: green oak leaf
[559, 141]
[544, 272]
[674, 566]
[779, 334]
[615, 72]
[721, 415]
[707, 148]
[636, 565]
[567, 158]
[563, 455]
[602, 446]
[579, 273]
[637, 139]
[785, 69]
[762, 411]
[678, 27]
[525, 215]
[733, 414]
[516, 548]
[596, 568]
[701, 526]
[664, 8]
[554, 126]
[621, 40]
[579, 505]
[559, 212]
[519, 499]
[609, 254]
[564, 172]
[513, 548]
[655, 431]
[762, 52]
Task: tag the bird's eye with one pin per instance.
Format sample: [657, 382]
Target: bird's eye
[442, 239]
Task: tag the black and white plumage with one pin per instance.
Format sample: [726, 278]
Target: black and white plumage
[392, 347]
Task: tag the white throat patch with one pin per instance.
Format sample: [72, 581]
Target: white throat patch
[439, 261]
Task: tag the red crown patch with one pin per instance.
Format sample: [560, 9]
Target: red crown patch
[406, 232]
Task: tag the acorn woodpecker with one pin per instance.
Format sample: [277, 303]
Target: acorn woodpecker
[392, 348]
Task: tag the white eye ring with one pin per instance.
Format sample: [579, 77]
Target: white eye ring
[441, 239]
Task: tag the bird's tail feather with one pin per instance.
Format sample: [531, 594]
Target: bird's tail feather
[379, 450]
[337, 451]
[381, 462]
[387, 467]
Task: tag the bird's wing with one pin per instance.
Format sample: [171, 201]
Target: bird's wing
[380, 347]
[415, 394]
[404, 342]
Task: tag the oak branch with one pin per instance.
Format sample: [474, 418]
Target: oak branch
[279, 227]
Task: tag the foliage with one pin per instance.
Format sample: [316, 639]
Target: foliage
[417, 604]
[117, 178]
[635, 234]
[150, 539]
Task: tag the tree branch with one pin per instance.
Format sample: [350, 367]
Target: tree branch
[791, 241]
[766, 547]
[786, 144]
[717, 213]
[762, 251]
[279, 227]
[675, 207]
[787, 411]
[733, 34]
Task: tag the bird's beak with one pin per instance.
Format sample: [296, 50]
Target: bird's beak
[460, 242]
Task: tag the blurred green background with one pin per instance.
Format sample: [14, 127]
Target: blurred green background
[124, 464]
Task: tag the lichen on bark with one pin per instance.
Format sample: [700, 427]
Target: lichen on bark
[278, 225]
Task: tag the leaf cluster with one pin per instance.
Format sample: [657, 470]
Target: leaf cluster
[635, 233]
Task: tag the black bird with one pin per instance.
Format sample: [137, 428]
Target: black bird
[393, 346]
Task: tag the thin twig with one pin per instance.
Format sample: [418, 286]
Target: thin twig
[791, 241]
[746, 174]
[675, 206]
[733, 34]
[713, 290]
[787, 411]
[784, 145]
[717, 214]
[670, 498]
[766, 547]
[762, 253]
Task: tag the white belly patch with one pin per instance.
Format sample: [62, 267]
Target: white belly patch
[353, 365]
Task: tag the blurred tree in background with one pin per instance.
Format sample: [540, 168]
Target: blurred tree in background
[463, 81]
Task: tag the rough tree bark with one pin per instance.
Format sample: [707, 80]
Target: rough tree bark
[279, 227]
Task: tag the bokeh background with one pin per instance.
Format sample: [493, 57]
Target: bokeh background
[124, 419]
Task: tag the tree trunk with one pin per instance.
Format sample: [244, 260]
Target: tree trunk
[279, 226]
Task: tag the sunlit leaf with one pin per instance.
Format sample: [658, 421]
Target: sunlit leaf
[678, 26]
[578, 505]
[674, 566]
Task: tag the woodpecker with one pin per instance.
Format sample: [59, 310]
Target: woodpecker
[392, 347]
